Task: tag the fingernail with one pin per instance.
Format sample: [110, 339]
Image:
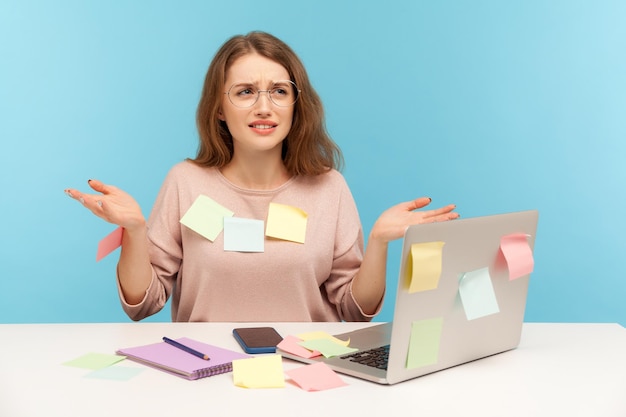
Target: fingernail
[68, 193]
[89, 180]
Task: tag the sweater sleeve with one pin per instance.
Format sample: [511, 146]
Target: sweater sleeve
[165, 249]
[348, 255]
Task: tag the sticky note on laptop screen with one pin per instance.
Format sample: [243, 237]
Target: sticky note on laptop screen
[424, 343]
[424, 266]
[477, 294]
[518, 255]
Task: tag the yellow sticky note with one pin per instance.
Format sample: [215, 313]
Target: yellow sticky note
[424, 268]
[259, 372]
[322, 335]
[424, 343]
[206, 217]
[286, 223]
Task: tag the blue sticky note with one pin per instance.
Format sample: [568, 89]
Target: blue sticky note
[244, 235]
[116, 373]
[477, 294]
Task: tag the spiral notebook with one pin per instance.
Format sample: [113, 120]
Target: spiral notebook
[170, 359]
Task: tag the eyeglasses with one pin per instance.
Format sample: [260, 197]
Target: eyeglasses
[281, 93]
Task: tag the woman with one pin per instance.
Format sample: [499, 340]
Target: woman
[263, 149]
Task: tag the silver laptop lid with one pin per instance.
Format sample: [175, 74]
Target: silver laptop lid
[458, 319]
[471, 310]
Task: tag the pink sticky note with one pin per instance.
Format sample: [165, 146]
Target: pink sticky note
[315, 377]
[292, 345]
[111, 242]
[518, 255]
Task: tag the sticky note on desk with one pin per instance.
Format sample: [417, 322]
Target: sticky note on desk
[286, 223]
[327, 347]
[518, 255]
[94, 361]
[315, 377]
[424, 269]
[259, 372]
[291, 344]
[477, 294]
[206, 217]
[322, 335]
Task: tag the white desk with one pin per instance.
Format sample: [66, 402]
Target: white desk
[558, 370]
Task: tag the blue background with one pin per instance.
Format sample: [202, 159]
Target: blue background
[495, 106]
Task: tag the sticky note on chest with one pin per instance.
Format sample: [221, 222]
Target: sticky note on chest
[286, 223]
[206, 217]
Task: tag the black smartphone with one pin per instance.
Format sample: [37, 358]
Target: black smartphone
[257, 339]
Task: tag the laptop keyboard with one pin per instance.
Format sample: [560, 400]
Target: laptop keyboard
[377, 357]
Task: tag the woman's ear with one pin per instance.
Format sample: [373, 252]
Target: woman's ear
[220, 115]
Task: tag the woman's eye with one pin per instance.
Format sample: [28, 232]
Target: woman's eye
[280, 91]
[245, 92]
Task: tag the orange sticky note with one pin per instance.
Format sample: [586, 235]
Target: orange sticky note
[518, 255]
[111, 242]
[315, 377]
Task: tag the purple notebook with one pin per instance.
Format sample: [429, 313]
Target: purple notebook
[178, 362]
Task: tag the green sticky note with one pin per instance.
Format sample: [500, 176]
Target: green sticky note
[94, 361]
[424, 343]
[327, 347]
[206, 217]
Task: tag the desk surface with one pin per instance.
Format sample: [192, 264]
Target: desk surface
[558, 370]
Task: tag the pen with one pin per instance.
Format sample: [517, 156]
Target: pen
[186, 348]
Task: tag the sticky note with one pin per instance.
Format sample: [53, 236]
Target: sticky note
[291, 344]
[315, 377]
[424, 268]
[115, 373]
[424, 343]
[94, 360]
[111, 242]
[206, 217]
[477, 294]
[518, 255]
[243, 235]
[323, 335]
[286, 223]
[259, 372]
[327, 347]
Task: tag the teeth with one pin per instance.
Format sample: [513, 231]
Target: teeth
[262, 126]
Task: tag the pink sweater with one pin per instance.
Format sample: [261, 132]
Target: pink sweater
[287, 282]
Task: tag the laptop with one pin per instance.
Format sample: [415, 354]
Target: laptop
[461, 296]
